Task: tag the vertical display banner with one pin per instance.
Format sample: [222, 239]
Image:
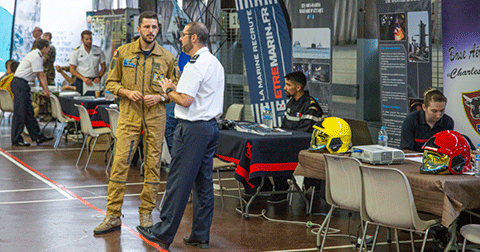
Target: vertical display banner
[7, 9]
[312, 26]
[461, 65]
[405, 59]
[267, 53]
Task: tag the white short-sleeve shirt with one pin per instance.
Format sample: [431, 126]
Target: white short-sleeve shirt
[203, 79]
[30, 66]
[87, 63]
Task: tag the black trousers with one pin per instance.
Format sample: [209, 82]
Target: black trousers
[23, 114]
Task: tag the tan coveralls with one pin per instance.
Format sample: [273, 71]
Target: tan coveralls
[130, 69]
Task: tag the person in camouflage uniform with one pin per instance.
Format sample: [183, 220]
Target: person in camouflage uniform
[48, 60]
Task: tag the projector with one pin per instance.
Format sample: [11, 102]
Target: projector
[377, 154]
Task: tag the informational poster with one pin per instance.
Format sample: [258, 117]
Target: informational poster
[405, 59]
[267, 52]
[312, 33]
[461, 65]
[6, 19]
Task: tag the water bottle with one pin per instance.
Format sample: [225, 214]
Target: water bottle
[267, 118]
[477, 161]
[383, 137]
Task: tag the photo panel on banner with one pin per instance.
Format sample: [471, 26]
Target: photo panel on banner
[405, 61]
[312, 32]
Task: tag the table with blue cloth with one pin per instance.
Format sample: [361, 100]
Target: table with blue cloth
[258, 156]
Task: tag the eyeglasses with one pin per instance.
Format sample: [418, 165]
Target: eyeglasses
[185, 34]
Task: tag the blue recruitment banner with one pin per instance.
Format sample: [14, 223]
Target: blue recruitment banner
[461, 65]
[267, 52]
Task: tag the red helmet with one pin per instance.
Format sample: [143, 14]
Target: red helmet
[446, 152]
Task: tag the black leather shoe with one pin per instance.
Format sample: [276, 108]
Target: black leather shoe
[151, 237]
[44, 139]
[193, 242]
[21, 144]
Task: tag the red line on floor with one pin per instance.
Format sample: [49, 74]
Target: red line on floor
[132, 231]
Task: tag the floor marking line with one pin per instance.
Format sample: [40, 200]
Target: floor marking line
[102, 185]
[68, 187]
[43, 150]
[35, 173]
[66, 192]
[55, 200]
[34, 201]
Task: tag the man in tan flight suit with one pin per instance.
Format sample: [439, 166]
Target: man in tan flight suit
[135, 72]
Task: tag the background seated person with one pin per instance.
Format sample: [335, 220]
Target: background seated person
[421, 125]
[69, 79]
[7, 66]
[301, 114]
[6, 82]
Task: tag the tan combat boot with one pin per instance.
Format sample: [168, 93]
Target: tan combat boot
[146, 220]
[109, 224]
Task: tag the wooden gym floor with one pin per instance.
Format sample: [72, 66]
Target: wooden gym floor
[48, 204]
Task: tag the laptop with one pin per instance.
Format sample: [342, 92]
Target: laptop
[360, 132]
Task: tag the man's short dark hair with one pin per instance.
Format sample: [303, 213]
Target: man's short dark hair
[86, 32]
[40, 29]
[200, 30]
[297, 77]
[14, 65]
[147, 15]
[48, 34]
[40, 44]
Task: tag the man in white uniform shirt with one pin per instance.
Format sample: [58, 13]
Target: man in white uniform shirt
[30, 67]
[199, 103]
[84, 63]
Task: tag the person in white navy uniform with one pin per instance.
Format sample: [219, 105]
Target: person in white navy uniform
[199, 103]
[84, 62]
[30, 67]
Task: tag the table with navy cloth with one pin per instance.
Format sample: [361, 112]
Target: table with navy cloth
[69, 109]
[261, 156]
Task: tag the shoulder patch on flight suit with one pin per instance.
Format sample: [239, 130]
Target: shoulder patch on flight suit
[157, 66]
[129, 62]
[115, 54]
[113, 63]
[194, 58]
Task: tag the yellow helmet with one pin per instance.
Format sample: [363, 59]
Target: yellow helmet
[332, 133]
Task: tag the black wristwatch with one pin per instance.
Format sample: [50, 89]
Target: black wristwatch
[168, 90]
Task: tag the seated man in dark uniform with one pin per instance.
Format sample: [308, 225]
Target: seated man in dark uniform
[421, 125]
[302, 113]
